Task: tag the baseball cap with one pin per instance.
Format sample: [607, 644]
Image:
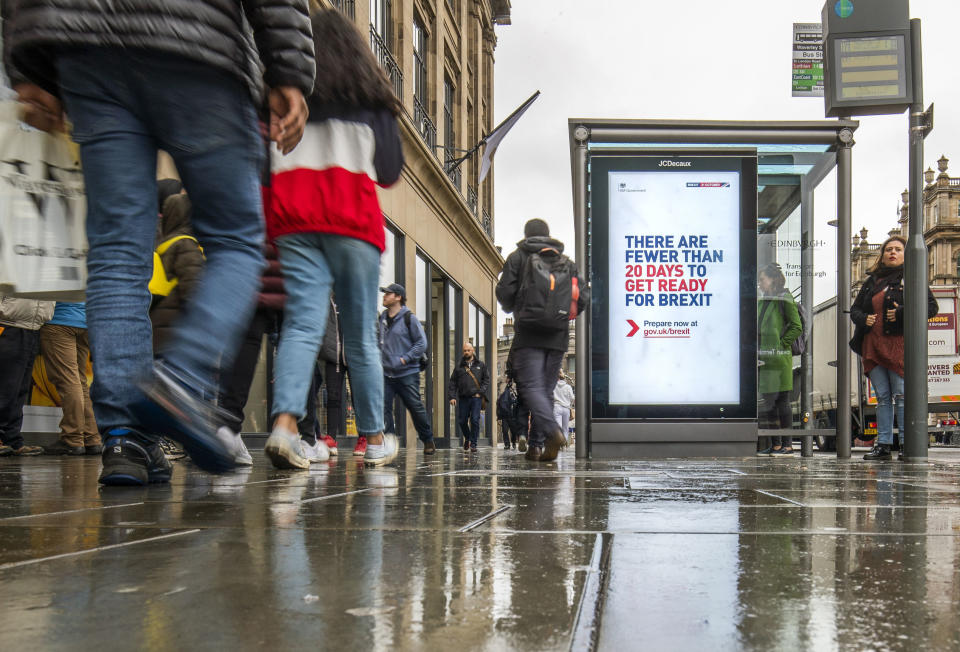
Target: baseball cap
[395, 288]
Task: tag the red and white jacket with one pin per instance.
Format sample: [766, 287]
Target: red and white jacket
[327, 183]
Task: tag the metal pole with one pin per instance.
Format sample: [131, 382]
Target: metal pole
[844, 216]
[915, 439]
[806, 300]
[582, 401]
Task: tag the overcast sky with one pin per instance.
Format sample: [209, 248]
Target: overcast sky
[697, 59]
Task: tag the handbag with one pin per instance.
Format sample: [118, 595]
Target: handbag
[483, 397]
[43, 244]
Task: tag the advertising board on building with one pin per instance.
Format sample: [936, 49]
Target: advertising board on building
[674, 320]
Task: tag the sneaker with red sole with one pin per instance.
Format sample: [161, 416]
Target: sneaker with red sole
[331, 444]
[361, 448]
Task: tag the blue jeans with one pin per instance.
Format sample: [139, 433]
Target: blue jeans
[408, 389]
[889, 387]
[313, 265]
[536, 371]
[468, 417]
[125, 104]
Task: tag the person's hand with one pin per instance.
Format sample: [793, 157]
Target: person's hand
[871, 320]
[288, 116]
[40, 109]
[892, 313]
[453, 401]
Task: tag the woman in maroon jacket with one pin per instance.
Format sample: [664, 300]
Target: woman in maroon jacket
[323, 214]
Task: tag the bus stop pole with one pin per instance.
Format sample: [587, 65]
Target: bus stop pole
[844, 216]
[806, 300]
[582, 397]
[915, 439]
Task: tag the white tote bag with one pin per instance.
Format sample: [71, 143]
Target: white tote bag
[43, 244]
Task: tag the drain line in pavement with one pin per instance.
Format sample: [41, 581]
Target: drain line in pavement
[767, 493]
[586, 629]
[483, 519]
[329, 496]
[69, 511]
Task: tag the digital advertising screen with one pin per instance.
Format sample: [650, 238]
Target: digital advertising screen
[674, 316]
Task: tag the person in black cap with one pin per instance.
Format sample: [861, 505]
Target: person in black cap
[537, 352]
[402, 345]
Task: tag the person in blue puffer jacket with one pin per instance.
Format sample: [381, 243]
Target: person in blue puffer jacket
[65, 348]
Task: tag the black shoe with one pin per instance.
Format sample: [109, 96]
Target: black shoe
[429, 448]
[194, 424]
[95, 449]
[466, 445]
[473, 448]
[552, 446]
[879, 452]
[533, 453]
[129, 459]
[522, 443]
[63, 448]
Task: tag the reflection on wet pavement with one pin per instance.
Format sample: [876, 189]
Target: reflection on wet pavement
[484, 552]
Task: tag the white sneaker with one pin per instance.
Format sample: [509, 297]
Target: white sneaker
[316, 453]
[284, 450]
[242, 454]
[382, 454]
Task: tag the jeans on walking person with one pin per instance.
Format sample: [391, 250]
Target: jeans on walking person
[407, 388]
[536, 372]
[468, 418]
[889, 387]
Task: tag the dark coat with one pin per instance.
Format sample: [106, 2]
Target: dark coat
[509, 286]
[259, 41]
[893, 299]
[183, 260]
[461, 385]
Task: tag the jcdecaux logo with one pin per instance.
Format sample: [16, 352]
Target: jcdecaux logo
[844, 8]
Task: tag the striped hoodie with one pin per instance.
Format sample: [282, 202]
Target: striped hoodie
[326, 184]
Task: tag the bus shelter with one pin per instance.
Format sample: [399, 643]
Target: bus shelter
[673, 220]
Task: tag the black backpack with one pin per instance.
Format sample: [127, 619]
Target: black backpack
[424, 360]
[548, 291]
[507, 404]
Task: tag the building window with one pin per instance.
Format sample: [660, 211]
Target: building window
[421, 117]
[381, 15]
[381, 42]
[449, 129]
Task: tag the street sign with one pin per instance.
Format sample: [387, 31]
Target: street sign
[867, 64]
[807, 60]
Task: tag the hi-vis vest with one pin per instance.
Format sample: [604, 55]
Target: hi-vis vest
[160, 284]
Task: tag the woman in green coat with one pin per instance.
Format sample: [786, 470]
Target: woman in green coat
[778, 325]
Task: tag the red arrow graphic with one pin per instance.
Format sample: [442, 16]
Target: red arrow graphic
[634, 328]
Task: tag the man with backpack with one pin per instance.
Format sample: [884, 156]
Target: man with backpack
[540, 286]
[467, 389]
[403, 347]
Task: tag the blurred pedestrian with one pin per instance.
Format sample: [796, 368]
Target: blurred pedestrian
[467, 389]
[507, 412]
[20, 322]
[778, 325]
[877, 313]
[182, 264]
[323, 214]
[65, 348]
[403, 344]
[186, 76]
[563, 399]
[537, 350]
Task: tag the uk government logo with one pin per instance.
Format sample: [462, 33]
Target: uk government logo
[623, 188]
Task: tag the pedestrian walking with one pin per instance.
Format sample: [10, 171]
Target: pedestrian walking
[778, 325]
[181, 267]
[186, 76]
[65, 348]
[540, 286]
[508, 409]
[20, 322]
[327, 223]
[403, 344]
[467, 389]
[563, 399]
[877, 314]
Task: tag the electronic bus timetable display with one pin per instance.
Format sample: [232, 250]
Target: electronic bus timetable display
[674, 282]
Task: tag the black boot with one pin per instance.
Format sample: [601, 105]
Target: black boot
[879, 452]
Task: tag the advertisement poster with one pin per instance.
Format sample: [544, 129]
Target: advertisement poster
[674, 286]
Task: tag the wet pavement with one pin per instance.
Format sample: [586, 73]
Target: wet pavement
[484, 552]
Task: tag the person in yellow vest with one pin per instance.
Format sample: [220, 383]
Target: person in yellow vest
[182, 265]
